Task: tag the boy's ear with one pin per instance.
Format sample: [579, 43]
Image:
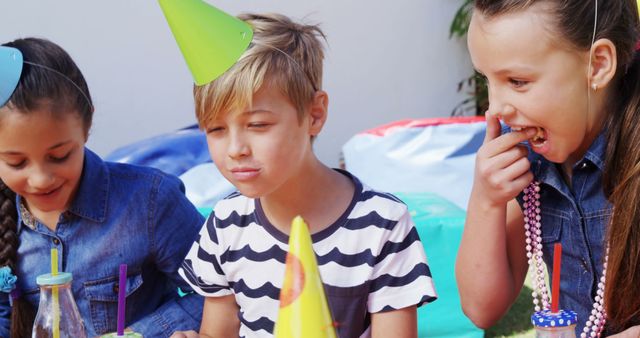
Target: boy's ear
[318, 112]
[603, 63]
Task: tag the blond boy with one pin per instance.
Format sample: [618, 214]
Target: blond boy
[261, 117]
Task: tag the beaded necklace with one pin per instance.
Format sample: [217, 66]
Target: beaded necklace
[533, 232]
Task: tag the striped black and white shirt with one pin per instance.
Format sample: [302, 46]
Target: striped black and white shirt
[371, 260]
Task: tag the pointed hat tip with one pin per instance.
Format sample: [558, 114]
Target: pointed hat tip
[211, 41]
[298, 227]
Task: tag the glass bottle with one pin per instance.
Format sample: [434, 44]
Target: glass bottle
[548, 324]
[58, 315]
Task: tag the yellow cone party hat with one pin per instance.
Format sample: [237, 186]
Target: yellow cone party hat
[303, 306]
[211, 40]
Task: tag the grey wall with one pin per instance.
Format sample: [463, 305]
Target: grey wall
[386, 60]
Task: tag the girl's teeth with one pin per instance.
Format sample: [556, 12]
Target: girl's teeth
[539, 139]
[539, 134]
[537, 144]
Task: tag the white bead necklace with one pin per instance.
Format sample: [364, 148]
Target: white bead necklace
[532, 225]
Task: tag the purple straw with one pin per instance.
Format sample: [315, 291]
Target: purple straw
[122, 289]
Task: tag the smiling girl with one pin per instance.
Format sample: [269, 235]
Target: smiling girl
[58, 194]
[564, 75]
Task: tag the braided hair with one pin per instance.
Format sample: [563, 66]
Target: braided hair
[22, 313]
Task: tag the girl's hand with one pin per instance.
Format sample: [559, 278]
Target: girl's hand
[632, 332]
[185, 334]
[502, 167]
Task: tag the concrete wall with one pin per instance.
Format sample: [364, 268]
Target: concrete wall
[386, 60]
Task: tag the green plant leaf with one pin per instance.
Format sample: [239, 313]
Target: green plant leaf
[475, 85]
[460, 23]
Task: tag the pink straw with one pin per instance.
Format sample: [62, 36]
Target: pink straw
[122, 288]
[555, 285]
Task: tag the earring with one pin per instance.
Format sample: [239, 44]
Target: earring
[594, 86]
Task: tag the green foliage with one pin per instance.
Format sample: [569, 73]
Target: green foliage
[478, 101]
[460, 23]
[475, 86]
[517, 322]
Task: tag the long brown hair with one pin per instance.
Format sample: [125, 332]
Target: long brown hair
[618, 22]
[65, 92]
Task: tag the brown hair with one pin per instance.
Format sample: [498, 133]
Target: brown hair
[287, 54]
[22, 313]
[618, 22]
[54, 83]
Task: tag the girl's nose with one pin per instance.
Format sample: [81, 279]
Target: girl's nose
[495, 104]
[499, 105]
[501, 110]
[41, 179]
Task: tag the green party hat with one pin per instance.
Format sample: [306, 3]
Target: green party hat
[211, 40]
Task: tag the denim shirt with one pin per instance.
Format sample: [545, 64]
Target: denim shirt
[577, 217]
[121, 214]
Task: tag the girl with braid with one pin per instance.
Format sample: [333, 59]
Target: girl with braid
[56, 193]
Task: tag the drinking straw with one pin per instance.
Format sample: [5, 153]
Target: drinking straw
[54, 262]
[54, 291]
[122, 288]
[555, 285]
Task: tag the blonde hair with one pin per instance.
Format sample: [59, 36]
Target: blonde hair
[283, 53]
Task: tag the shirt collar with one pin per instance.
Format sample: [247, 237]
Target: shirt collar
[24, 216]
[91, 198]
[596, 152]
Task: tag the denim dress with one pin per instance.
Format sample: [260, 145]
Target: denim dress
[120, 214]
[576, 216]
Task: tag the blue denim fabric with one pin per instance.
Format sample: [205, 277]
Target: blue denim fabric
[121, 214]
[577, 217]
